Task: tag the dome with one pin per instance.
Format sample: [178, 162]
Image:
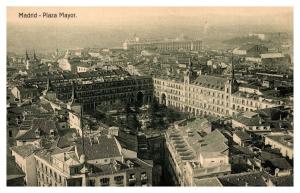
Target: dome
[82, 159]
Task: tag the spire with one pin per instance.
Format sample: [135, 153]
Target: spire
[49, 86]
[26, 55]
[34, 56]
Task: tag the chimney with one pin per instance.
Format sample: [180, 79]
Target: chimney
[260, 121]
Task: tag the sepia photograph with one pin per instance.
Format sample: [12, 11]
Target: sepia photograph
[149, 96]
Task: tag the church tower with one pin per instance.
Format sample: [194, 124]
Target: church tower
[75, 112]
[27, 60]
[35, 59]
[232, 85]
[188, 73]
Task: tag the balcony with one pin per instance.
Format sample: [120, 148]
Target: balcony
[104, 184]
[144, 177]
[132, 181]
[119, 183]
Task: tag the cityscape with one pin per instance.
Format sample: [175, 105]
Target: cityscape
[150, 97]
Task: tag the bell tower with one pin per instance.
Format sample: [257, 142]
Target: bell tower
[188, 73]
[27, 60]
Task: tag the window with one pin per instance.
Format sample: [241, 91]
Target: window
[119, 180]
[104, 181]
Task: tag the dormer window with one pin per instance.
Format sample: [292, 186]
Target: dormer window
[52, 132]
[37, 133]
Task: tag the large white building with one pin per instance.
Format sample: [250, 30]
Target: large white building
[168, 45]
[207, 95]
[193, 152]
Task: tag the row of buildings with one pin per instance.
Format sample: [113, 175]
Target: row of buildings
[164, 45]
[89, 161]
[208, 95]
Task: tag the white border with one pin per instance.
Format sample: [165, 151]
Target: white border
[152, 3]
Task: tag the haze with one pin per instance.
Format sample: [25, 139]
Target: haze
[109, 27]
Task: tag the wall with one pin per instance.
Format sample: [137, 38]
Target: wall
[31, 171]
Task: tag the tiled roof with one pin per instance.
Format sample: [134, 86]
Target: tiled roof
[99, 147]
[25, 150]
[42, 124]
[198, 123]
[212, 82]
[279, 180]
[189, 142]
[111, 168]
[30, 134]
[283, 180]
[285, 139]
[254, 121]
[207, 182]
[26, 125]
[281, 163]
[243, 179]
[243, 150]
[265, 155]
[243, 135]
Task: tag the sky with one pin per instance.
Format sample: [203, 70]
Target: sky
[109, 27]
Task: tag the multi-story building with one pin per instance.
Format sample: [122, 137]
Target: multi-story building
[24, 158]
[251, 122]
[92, 161]
[104, 92]
[192, 153]
[282, 141]
[38, 129]
[207, 95]
[25, 92]
[164, 45]
[250, 50]
[104, 89]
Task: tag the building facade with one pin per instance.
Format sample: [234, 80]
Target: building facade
[206, 95]
[282, 141]
[91, 164]
[120, 90]
[24, 158]
[192, 153]
[170, 45]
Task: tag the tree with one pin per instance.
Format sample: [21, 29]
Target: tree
[132, 123]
